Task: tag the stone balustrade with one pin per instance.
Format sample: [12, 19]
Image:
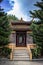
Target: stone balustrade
[12, 46]
[29, 47]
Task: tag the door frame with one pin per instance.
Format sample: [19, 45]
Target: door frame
[19, 32]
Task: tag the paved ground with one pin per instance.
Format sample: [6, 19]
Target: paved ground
[21, 62]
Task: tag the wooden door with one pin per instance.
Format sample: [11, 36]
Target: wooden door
[20, 39]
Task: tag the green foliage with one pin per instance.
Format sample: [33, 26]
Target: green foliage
[37, 14]
[12, 17]
[4, 28]
[4, 34]
[36, 52]
[39, 4]
[37, 25]
[5, 52]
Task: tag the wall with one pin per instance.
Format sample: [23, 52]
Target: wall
[29, 39]
[12, 38]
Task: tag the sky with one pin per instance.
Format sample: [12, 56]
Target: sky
[19, 8]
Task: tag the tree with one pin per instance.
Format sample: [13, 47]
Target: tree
[37, 26]
[12, 17]
[4, 28]
[4, 32]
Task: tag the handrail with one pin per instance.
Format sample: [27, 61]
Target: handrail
[30, 53]
[29, 47]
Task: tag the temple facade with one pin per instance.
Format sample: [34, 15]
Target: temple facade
[21, 31]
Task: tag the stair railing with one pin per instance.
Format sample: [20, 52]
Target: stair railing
[29, 52]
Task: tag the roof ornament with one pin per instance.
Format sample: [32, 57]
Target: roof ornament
[21, 19]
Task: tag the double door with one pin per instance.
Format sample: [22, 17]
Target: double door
[21, 39]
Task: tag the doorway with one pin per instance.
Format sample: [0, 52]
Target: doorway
[20, 39]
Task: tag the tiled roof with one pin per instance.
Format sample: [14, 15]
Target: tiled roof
[21, 23]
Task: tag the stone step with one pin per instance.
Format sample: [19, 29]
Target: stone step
[19, 52]
[20, 55]
[21, 59]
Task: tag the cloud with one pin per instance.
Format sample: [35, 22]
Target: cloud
[16, 10]
[7, 5]
[11, 2]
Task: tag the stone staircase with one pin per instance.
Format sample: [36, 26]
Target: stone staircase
[20, 55]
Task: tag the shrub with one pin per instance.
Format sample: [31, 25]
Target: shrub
[36, 52]
[5, 52]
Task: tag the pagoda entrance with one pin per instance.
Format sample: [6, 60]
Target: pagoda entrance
[20, 39]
